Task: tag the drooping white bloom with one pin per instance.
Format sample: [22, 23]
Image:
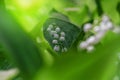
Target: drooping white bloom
[105, 18]
[62, 34]
[57, 29]
[48, 29]
[6, 74]
[62, 39]
[83, 45]
[50, 26]
[90, 48]
[116, 30]
[109, 25]
[100, 31]
[53, 32]
[55, 41]
[87, 27]
[91, 40]
[100, 35]
[57, 48]
[65, 49]
[56, 36]
[103, 27]
[96, 29]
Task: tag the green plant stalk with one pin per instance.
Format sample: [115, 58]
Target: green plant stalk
[18, 45]
[99, 8]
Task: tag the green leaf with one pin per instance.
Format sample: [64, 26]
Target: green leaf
[118, 7]
[55, 14]
[5, 64]
[18, 45]
[81, 16]
[109, 8]
[62, 4]
[70, 33]
[99, 7]
[99, 65]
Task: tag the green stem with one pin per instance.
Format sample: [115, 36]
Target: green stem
[99, 7]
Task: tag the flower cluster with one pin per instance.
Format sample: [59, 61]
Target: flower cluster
[100, 31]
[58, 37]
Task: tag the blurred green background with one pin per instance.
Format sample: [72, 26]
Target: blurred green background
[22, 44]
